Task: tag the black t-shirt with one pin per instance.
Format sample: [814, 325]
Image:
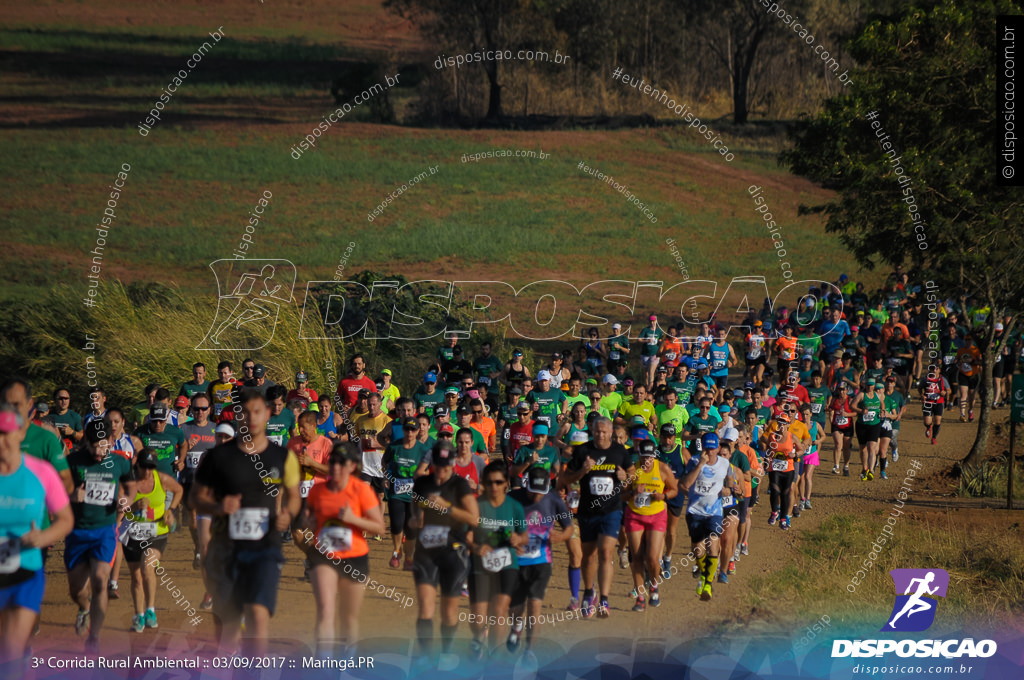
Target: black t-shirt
[600, 488]
[228, 470]
[436, 520]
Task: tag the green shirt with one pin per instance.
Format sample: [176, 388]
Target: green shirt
[165, 444]
[487, 367]
[497, 524]
[649, 340]
[678, 416]
[549, 402]
[101, 480]
[611, 402]
[808, 344]
[547, 454]
[703, 426]
[192, 387]
[279, 427]
[428, 401]
[894, 402]
[400, 465]
[872, 406]
[44, 445]
[614, 354]
[579, 398]
[71, 419]
[819, 397]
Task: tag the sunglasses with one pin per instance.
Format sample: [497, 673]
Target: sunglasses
[446, 436]
[495, 482]
[200, 408]
[475, 411]
[63, 398]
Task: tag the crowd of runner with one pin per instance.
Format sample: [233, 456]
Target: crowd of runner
[479, 473]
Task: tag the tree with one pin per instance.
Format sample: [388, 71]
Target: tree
[931, 199]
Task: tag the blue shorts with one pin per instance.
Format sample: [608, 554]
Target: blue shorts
[90, 544]
[721, 380]
[591, 528]
[703, 526]
[27, 594]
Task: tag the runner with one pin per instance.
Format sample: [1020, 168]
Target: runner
[200, 437]
[374, 435]
[144, 534]
[444, 508]
[166, 440]
[596, 351]
[785, 348]
[650, 338]
[401, 463]
[841, 407]
[547, 402]
[32, 491]
[427, 397]
[103, 483]
[706, 475]
[538, 453]
[348, 388]
[646, 519]
[239, 484]
[282, 421]
[780, 449]
[495, 542]
[340, 510]
[734, 506]
[675, 455]
[466, 463]
[721, 357]
[757, 353]
[601, 468]
[810, 459]
[303, 391]
[329, 423]
[935, 392]
[220, 391]
[894, 404]
[514, 372]
[968, 359]
[868, 406]
[311, 449]
[543, 508]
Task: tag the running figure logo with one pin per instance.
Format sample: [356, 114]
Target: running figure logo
[250, 294]
[914, 610]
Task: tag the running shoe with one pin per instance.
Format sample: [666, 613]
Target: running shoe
[796, 510]
[82, 623]
[589, 607]
[476, 650]
[971, 416]
[207, 603]
[743, 548]
[640, 605]
[603, 609]
[465, 590]
[666, 572]
[112, 591]
[393, 562]
[92, 646]
[928, 432]
[871, 476]
[696, 571]
[574, 604]
[722, 578]
[773, 518]
[705, 592]
[846, 471]
[624, 559]
[407, 566]
[655, 597]
[963, 418]
[895, 454]
[884, 476]
[933, 441]
[150, 617]
[138, 623]
[807, 506]
[784, 523]
[732, 567]
[735, 555]
[195, 563]
[378, 538]
[835, 469]
[864, 476]
[514, 636]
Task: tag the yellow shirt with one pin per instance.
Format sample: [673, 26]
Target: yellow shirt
[647, 483]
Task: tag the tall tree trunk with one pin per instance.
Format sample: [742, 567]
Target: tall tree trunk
[494, 96]
[739, 96]
[980, 446]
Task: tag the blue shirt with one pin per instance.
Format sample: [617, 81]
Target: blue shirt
[832, 334]
[703, 497]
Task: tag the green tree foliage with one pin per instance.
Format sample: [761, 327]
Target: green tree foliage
[929, 71]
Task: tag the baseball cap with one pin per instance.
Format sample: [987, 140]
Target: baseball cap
[443, 454]
[157, 412]
[627, 382]
[451, 389]
[380, 385]
[385, 371]
[647, 448]
[731, 434]
[410, 424]
[543, 375]
[9, 421]
[652, 317]
[538, 480]
[515, 390]
[556, 355]
[640, 433]
[999, 325]
[890, 379]
[540, 428]
[464, 410]
[661, 369]
[146, 459]
[473, 393]
[668, 429]
[871, 381]
[610, 379]
[702, 364]
[843, 277]
[758, 323]
[259, 370]
[709, 441]
[224, 428]
[42, 408]
[446, 429]
[737, 393]
[97, 429]
[579, 437]
[440, 411]
[363, 393]
[616, 325]
[181, 401]
[301, 376]
[523, 406]
[749, 385]
[724, 408]
[430, 378]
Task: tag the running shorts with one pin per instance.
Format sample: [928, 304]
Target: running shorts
[27, 593]
[636, 522]
[135, 552]
[868, 433]
[448, 567]
[89, 544]
[353, 568]
[399, 514]
[240, 577]
[600, 525]
[486, 584]
[703, 526]
[533, 583]
[936, 410]
[377, 483]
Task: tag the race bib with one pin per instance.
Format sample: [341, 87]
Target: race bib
[533, 548]
[10, 554]
[728, 501]
[614, 355]
[601, 486]
[305, 486]
[336, 539]
[717, 363]
[99, 493]
[277, 439]
[966, 367]
[497, 559]
[948, 360]
[869, 415]
[642, 500]
[703, 488]
[780, 465]
[842, 421]
[670, 356]
[816, 408]
[403, 486]
[433, 536]
[573, 499]
[141, 531]
[249, 524]
[697, 445]
[192, 459]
